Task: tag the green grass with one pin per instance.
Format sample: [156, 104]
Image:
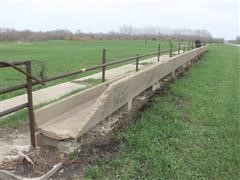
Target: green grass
[59, 57]
[191, 133]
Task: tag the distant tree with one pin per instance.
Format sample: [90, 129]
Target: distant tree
[217, 40]
[238, 40]
[125, 32]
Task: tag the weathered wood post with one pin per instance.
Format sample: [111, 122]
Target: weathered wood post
[103, 64]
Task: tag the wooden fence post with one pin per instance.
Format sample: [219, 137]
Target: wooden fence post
[158, 52]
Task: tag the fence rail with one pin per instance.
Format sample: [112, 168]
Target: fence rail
[31, 81]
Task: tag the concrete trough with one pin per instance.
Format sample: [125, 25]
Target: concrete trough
[71, 117]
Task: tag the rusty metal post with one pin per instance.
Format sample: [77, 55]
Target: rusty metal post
[30, 105]
[170, 52]
[103, 63]
[179, 47]
[158, 52]
[137, 61]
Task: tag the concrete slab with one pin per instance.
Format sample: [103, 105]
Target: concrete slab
[67, 146]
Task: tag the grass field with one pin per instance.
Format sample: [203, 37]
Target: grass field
[191, 133]
[60, 57]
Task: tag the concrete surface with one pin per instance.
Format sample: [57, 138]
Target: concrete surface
[66, 146]
[156, 86]
[72, 116]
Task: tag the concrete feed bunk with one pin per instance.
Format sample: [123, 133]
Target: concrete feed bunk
[70, 117]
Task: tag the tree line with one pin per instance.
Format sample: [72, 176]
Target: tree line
[124, 32]
[236, 41]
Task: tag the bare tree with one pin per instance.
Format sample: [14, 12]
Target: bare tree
[125, 32]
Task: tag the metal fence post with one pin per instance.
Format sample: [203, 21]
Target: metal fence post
[30, 105]
[179, 47]
[137, 61]
[103, 64]
[188, 45]
[170, 52]
[158, 52]
[184, 48]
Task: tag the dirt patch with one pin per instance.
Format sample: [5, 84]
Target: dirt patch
[11, 139]
[43, 158]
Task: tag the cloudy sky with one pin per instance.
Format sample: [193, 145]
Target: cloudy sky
[220, 17]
